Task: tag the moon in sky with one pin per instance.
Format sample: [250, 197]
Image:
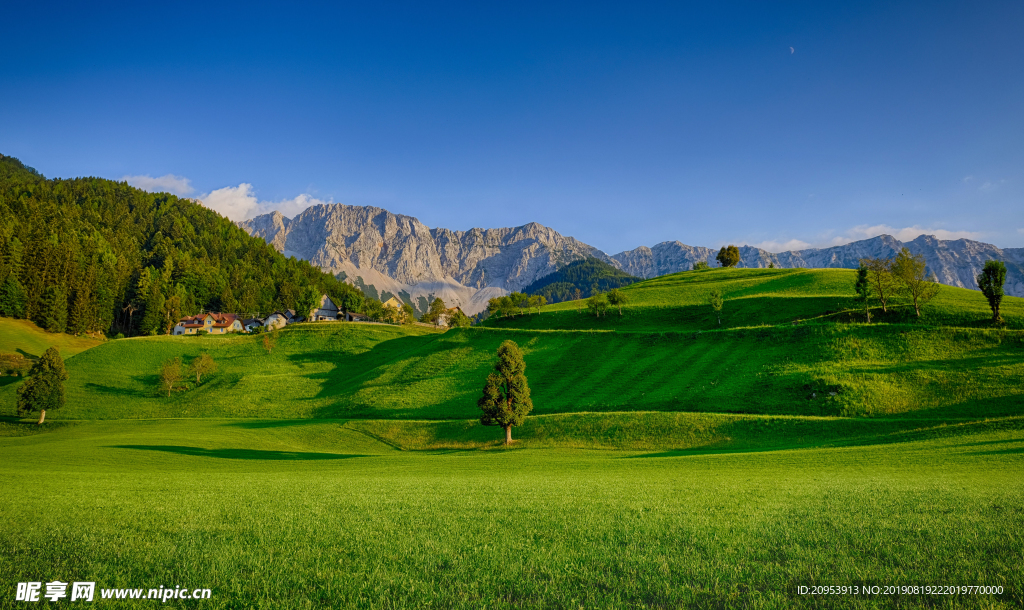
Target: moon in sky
[792, 50]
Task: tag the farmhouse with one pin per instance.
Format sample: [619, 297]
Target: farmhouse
[393, 303]
[252, 324]
[281, 318]
[353, 316]
[327, 311]
[213, 323]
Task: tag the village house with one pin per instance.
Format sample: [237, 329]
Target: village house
[252, 324]
[397, 305]
[213, 323]
[278, 319]
[327, 312]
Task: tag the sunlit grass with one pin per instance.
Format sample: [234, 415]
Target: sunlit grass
[304, 515]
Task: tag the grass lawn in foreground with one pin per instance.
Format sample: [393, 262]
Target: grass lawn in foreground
[303, 514]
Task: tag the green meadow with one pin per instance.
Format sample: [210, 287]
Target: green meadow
[315, 514]
[670, 462]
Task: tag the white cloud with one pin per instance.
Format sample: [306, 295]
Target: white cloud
[829, 238]
[902, 234]
[1021, 231]
[169, 183]
[782, 246]
[240, 203]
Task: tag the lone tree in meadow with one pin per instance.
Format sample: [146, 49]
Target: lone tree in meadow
[990, 281]
[598, 304]
[616, 297]
[701, 266]
[202, 365]
[716, 301]
[910, 271]
[44, 389]
[170, 374]
[881, 279]
[863, 289]
[728, 256]
[506, 399]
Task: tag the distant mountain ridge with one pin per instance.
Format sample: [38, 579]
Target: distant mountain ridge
[384, 253]
[381, 252]
[954, 262]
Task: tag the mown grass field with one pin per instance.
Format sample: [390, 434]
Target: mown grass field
[668, 463]
[757, 297]
[303, 514]
[380, 372]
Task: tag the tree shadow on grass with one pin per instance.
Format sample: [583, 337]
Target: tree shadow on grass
[240, 454]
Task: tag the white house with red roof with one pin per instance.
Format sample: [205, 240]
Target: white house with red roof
[213, 323]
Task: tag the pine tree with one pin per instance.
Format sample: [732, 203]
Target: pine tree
[53, 312]
[863, 290]
[12, 298]
[44, 389]
[153, 318]
[506, 396]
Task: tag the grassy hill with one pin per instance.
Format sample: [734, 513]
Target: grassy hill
[668, 464]
[755, 297]
[386, 372]
[25, 338]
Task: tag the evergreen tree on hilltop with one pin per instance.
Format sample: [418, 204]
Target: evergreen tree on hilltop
[506, 397]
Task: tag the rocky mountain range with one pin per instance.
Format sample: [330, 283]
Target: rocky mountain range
[384, 253]
[391, 254]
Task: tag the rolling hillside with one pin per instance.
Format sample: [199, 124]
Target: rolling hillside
[757, 297]
[752, 367]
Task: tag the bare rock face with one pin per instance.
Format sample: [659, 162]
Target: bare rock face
[954, 262]
[396, 253]
[384, 252]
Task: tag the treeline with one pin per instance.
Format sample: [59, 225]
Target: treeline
[580, 279]
[93, 255]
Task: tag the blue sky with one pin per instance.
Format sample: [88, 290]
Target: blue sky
[621, 124]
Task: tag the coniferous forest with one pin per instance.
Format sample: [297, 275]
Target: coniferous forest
[93, 255]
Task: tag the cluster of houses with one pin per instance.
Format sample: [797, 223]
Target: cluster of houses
[221, 323]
